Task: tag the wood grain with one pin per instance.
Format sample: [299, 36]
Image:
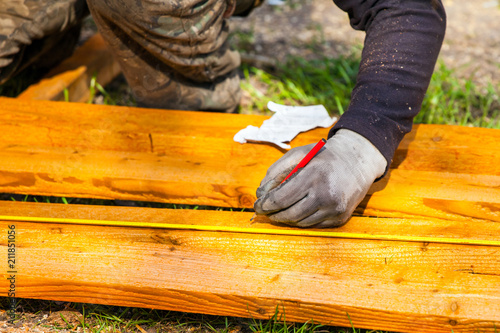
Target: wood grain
[75, 73]
[448, 172]
[397, 286]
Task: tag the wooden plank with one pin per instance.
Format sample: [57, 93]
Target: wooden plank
[133, 126]
[391, 285]
[452, 149]
[190, 157]
[75, 73]
[385, 228]
[196, 180]
[433, 148]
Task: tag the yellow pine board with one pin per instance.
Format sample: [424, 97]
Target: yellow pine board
[412, 230]
[133, 129]
[110, 152]
[399, 286]
[217, 182]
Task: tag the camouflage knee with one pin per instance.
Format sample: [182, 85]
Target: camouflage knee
[27, 27]
[186, 36]
[178, 46]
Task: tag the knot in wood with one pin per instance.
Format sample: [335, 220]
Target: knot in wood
[246, 200]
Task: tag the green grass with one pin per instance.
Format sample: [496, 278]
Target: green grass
[329, 81]
[450, 100]
[96, 318]
[326, 81]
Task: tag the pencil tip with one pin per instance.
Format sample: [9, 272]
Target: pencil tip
[253, 217]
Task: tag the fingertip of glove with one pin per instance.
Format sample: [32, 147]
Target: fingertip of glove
[260, 192]
[257, 206]
[264, 205]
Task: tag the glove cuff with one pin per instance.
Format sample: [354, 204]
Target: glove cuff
[362, 154]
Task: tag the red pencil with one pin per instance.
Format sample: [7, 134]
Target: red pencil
[306, 159]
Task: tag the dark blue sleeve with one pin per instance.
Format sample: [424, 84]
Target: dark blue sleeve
[402, 43]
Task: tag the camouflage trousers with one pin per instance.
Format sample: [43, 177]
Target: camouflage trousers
[174, 54]
[37, 33]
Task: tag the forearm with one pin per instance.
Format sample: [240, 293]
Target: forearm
[403, 39]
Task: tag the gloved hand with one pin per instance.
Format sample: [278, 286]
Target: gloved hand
[328, 189]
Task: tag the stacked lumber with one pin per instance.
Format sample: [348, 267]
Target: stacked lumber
[422, 252]
[74, 75]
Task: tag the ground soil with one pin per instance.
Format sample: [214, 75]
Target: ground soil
[471, 46]
[316, 28]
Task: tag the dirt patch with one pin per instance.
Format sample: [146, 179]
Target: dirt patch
[63, 321]
[472, 42]
[317, 28]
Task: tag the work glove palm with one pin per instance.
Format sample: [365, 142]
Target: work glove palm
[326, 191]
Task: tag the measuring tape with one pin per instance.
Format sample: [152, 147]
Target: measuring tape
[286, 232]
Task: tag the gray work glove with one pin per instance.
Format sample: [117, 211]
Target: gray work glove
[328, 189]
